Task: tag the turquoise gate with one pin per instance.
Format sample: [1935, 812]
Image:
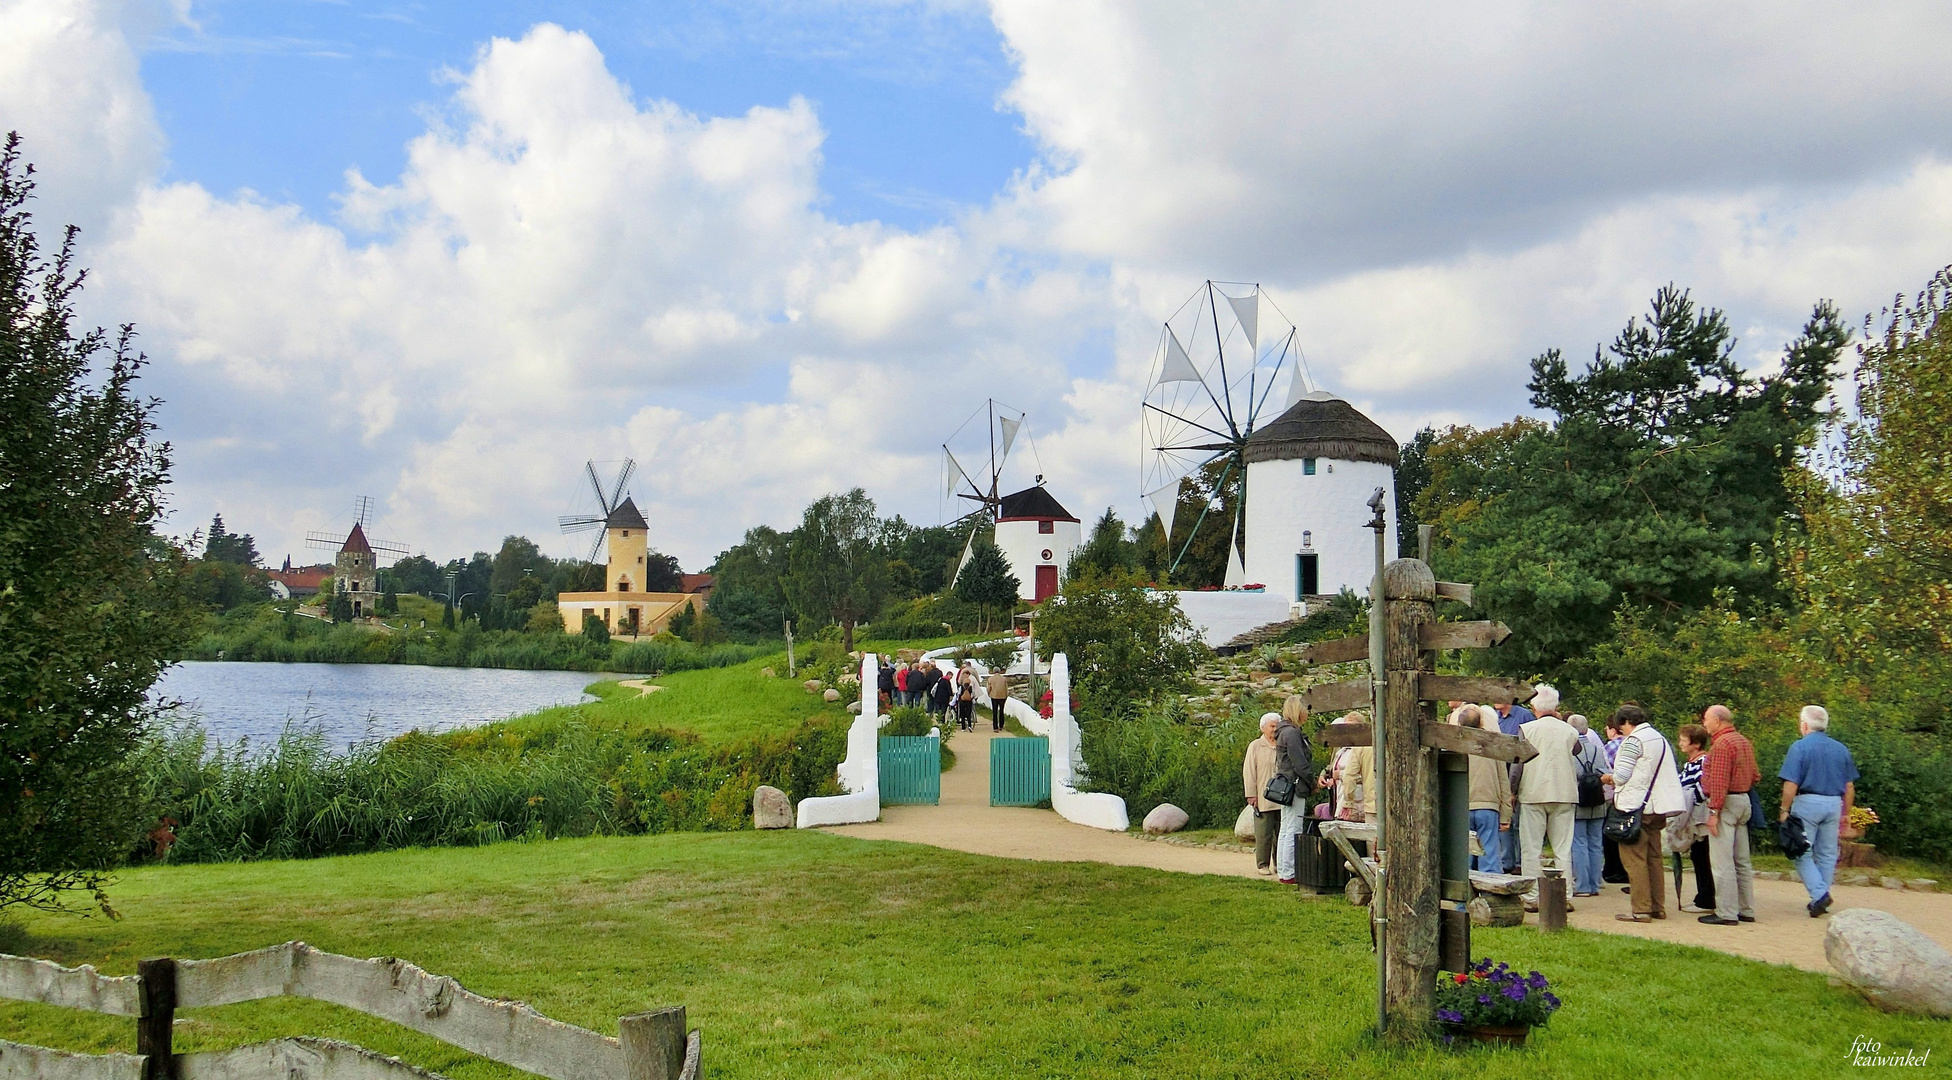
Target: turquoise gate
[911, 770]
[1020, 771]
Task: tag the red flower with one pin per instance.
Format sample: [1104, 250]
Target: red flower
[1460, 978]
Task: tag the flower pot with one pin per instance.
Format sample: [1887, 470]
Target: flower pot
[1496, 1036]
[1850, 853]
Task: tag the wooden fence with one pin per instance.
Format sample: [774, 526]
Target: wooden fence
[650, 1046]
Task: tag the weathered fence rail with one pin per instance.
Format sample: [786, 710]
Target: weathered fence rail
[649, 1046]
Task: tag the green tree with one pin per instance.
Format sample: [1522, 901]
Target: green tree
[518, 559]
[835, 567]
[595, 630]
[1662, 480]
[987, 582]
[1412, 476]
[90, 606]
[339, 608]
[417, 574]
[1128, 645]
[230, 547]
[682, 623]
[447, 616]
[749, 584]
[389, 603]
[1106, 551]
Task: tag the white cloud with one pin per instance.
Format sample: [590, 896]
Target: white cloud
[565, 271]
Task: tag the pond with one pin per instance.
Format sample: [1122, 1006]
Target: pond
[358, 702]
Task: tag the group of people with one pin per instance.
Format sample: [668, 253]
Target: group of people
[1700, 800]
[943, 692]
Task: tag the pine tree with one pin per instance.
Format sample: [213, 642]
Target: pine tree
[447, 616]
[987, 581]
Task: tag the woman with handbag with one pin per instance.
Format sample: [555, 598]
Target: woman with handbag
[1646, 789]
[1693, 739]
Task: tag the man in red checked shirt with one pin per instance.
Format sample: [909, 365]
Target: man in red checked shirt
[1726, 779]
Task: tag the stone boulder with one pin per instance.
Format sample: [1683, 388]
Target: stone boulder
[854, 707]
[1244, 824]
[1890, 962]
[831, 694]
[812, 685]
[1165, 818]
[768, 673]
[771, 809]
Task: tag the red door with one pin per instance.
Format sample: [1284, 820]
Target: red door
[1046, 582]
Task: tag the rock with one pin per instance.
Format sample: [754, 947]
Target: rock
[771, 809]
[853, 707]
[1890, 962]
[812, 685]
[1165, 818]
[768, 672]
[1921, 884]
[1244, 824]
[831, 695]
[1894, 883]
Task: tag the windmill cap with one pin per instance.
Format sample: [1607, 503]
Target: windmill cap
[356, 541]
[1324, 426]
[625, 516]
[1032, 503]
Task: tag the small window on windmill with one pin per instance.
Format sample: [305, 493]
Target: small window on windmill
[1307, 539]
[1308, 466]
[1047, 526]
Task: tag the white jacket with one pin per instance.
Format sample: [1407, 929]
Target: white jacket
[1645, 758]
[1552, 777]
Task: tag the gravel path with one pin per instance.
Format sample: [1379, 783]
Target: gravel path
[965, 821]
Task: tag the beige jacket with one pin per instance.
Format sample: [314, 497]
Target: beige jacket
[1255, 771]
[1359, 768]
[1491, 787]
[997, 685]
[1553, 776]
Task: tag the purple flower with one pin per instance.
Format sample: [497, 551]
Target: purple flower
[1484, 999]
[1536, 982]
[1515, 992]
[1450, 1016]
[1551, 1002]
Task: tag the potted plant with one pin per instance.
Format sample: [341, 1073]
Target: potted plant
[1851, 850]
[1494, 1004]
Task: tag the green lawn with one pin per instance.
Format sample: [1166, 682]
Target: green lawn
[804, 955]
[718, 704]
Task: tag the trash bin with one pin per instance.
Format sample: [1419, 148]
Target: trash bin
[1319, 867]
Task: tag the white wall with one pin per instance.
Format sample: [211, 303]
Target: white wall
[1222, 616]
[1094, 808]
[1024, 546]
[860, 770]
[1333, 507]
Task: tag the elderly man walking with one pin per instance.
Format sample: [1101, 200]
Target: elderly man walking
[1256, 769]
[1548, 790]
[1726, 780]
[1819, 786]
[1294, 759]
[1510, 718]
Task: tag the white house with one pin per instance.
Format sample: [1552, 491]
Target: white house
[1310, 475]
[1037, 536]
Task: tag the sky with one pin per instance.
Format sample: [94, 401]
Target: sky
[443, 253]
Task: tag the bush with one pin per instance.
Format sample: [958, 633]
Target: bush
[1157, 755]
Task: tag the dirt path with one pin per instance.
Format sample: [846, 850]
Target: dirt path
[965, 821]
[642, 686]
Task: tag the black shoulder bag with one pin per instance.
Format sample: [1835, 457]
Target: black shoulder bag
[1624, 828]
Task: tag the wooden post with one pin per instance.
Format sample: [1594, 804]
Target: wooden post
[654, 1044]
[1412, 897]
[1552, 901]
[158, 1020]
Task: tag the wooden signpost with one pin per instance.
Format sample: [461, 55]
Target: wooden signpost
[1423, 767]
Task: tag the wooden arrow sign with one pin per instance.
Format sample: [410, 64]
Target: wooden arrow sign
[1338, 697]
[1337, 651]
[1470, 688]
[1462, 635]
[1455, 590]
[1458, 740]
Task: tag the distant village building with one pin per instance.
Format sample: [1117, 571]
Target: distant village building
[1310, 475]
[625, 608]
[301, 581]
[1037, 535]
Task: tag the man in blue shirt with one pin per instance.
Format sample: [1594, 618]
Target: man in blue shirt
[1819, 787]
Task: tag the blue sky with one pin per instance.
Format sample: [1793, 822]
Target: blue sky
[283, 96]
[776, 250]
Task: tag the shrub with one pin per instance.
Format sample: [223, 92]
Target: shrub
[1157, 755]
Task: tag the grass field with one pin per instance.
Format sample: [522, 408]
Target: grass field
[804, 955]
[718, 704]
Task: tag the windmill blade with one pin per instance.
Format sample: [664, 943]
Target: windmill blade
[1178, 367]
[330, 541]
[1236, 573]
[596, 485]
[596, 545]
[363, 510]
[1169, 508]
[956, 473]
[578, 522]
[389, 549]
[1247, 311]
[1009, 427]
[623, 478]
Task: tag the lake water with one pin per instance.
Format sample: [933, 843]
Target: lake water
[358, 702]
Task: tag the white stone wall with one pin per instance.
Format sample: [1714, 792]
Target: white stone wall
[1331, 506]
[1024, 546]
[860, 770]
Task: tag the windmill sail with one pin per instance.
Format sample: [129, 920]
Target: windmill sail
[1247, 309]
[1178, 366]
[1167, 508]
[1236, 573]
[956, 474]
[1009, 427]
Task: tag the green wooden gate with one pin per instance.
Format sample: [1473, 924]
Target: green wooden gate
[911, 770]
[1020, 771]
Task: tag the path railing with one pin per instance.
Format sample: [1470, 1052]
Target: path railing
[649, 1046]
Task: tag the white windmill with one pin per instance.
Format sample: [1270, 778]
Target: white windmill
[1225, 363]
